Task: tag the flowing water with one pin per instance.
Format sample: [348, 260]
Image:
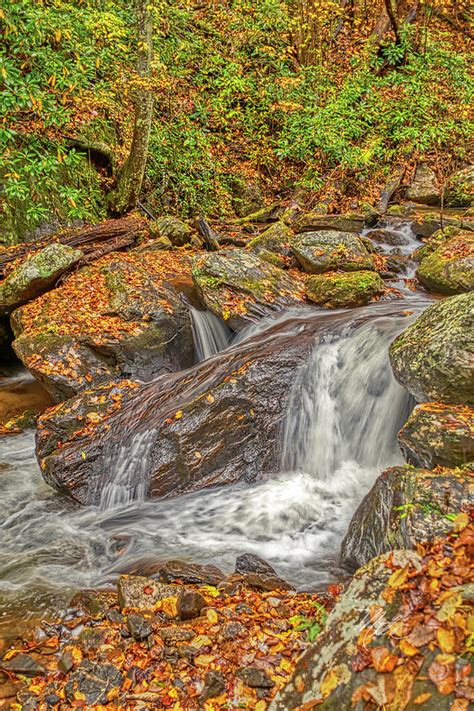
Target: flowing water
[342, 416]
[211, 335]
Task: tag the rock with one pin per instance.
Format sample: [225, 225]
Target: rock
[251, 563]
[155, 245]
[264, 216]
[426, 224]
[93, 603]
[174, 633]
[339, 289]
[91, 638]
[425, 189]
[436, 240]
[139, 626]
[122, 316]
[94, 682]
[438, 435]
[433, 357]
[35, 275]
[255, 678]
[263, 581]
[22, 664]
[173, 229]
[460, 188]
[327, 250]
[449, 269]
[247, 197]
[315, 222]
[192, 573]
[190, 604]
[238, 287]
[137, 592]
[66, 661]
[274, 246]
[405, 506]
[214, 685]
[232, 630]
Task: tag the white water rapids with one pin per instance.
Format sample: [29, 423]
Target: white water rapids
[340, 432]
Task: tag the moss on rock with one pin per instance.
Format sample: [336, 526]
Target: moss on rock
[449, 269]
[328, 250]
[339, 289]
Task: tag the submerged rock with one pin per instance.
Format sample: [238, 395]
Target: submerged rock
[36, 274]
[339, 289]
[438, 435]
[328, 250]
[449, 269]
[433, 358]
[122, 316]
[238, 286]
[274, 246]
[405, 506]
[425, 189]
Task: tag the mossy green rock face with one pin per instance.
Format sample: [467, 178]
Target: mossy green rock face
[274, 246]
[327, 250]
[404, 507]
[449, 269]
[239, 287]
[339, 289]
[434, 357]
[438, 435]
[460, 188]
[36, 274]
[177, 231]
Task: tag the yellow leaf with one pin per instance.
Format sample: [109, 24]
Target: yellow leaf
[460, 522]
[446, 640]
[422, 698]
[210, 399]
[202, 640]
[178, 415]
[398, 578]
[408, 649]
[260, 705]
[449, 607]
[212, 616]
[204, 660]
[333, 678]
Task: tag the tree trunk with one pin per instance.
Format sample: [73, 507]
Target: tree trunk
[130, 175]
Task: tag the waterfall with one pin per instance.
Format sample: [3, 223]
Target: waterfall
[129, 464]
[211, 335]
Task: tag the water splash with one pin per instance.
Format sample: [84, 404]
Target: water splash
[211, 335]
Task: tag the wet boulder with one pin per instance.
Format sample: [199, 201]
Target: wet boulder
[438, 435]
[449, 269]
[342, 289]
[36, 274]
[173, 229]
[274, 246]
[192, 573]
[122, 316]
[315, 221]
[329, 250]
[424, 189]
[460, 188]
[239, 287]
[405, 506]
[138, 592]
[433, 358]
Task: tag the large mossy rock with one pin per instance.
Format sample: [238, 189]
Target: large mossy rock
[120, 317]
[239, 287]
[274, 246]
[315, 221]
[404, 507]
[425, 189]
[339, 289]
[433, 358]
[36, 274]
[438, 435]
[460, 188]
[397, 638]
[175, 230]
[328, 250]
[449, 269]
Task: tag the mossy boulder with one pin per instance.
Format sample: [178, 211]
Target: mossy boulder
[425, 224]
[460, 188]
[315, 221]
[239, 287]
[433, 358]
[328, 250]
[449, 269]
[247, 198]
[274, 246]
[436, 240]
[424, 189]
[178, 232]
[404, 507]
[36, 274]
[339, 289]
[438, 435]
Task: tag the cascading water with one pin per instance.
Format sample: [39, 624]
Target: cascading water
[211, 335]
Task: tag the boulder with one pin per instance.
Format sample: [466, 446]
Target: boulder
[340, 289]
[391, 641]
[449, 269]
[192, 573]
[433, 358]
[315, 221]
[239, 287]
[189, 604]
[140, 593]
[438, 435]
[424, 225]
[122, 316]
[405, 506]
[437, 239]
[274, 246]
[424, 189]
[170, 228]
[247, 197]
[460, 188]
[328, 250]
[36, 274]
